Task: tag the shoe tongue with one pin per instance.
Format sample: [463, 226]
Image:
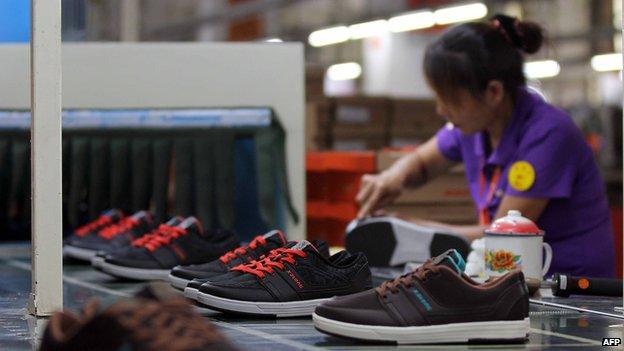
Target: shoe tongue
[304, 245]
[275, 235]
[451, 259]
[141, 215]
[114, 214]
[174, 221]
[192, 223]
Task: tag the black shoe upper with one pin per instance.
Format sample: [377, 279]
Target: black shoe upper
[117, 235]
[435, 293]
[320, 245]
[172, 245]
[259, 246]
[294, 274]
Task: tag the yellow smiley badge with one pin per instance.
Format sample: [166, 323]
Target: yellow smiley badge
[521, 176]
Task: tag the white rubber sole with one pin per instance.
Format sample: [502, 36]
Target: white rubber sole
[78, 253]
[191, 293]
[431, 334]
[96, 261]
[277, 309]
[135, 273]
[177, 282]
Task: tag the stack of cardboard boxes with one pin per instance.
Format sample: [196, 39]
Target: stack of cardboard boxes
[445, 199]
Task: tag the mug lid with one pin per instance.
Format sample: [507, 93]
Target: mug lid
[514, 223]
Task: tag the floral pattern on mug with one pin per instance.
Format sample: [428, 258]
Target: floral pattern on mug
[501, 260]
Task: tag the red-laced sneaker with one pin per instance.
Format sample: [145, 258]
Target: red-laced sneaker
[243, 250]
[161, 236]
[106, 219]
[118, 228]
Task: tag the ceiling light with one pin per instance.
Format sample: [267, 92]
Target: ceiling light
[607, 62]
[411, 21]
[274, 40]
[344, 71]
[460, 13]
[328, 36]
[541, 69]
[368, 29]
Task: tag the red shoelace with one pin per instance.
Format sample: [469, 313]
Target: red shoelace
[91, 226]
[159, 237]
[241, 251]
[271, 262]
[115, 229]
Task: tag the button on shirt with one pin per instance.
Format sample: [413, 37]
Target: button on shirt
[576, 219]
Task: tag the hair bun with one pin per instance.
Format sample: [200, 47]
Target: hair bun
[524, 35]
[531, 35]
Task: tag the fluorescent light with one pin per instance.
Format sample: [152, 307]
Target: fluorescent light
[461, 13]
[368, 29]
[411, 21]
[344, 71]
[607, 62]
[541, 69]
[328, 36]
[274, 40]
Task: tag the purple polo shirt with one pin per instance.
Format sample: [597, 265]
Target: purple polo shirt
[576, 219]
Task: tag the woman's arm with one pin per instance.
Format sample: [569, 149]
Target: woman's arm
[379, 190]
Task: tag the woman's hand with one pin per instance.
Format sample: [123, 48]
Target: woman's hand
[378, 190]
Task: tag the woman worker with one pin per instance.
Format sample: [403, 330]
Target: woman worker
[519, 151]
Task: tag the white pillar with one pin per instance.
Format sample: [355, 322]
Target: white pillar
[130, 26]
[45, 94]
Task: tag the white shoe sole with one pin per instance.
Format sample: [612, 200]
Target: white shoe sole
[277, 309]
[96, 261]
[135, 273]
[177, 282]
[78, 253]
[431, 334]
[191, 293]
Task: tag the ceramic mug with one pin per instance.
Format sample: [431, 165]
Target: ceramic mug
[505, 252]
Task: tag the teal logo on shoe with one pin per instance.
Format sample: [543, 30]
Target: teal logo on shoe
[422, 299]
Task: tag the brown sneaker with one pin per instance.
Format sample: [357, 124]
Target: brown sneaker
[153, 320]
[436, 303]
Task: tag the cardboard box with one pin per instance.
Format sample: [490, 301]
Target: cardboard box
[363, 115]
[415, 117]
[317, 125]
[451, 187]
[359, 143]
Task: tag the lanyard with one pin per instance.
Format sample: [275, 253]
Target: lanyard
[484, 215]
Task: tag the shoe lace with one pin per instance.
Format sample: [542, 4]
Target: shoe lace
[168, 325]
[274, 260]
[116, 229]
[241, 251]
[159, 237]
[407, 280]
[93, 225]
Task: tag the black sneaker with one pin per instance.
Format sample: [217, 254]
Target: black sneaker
[289, 282]
[120, 235]
[192, 288]
[152, 256]
[402, 241]
[73, 246]
[435, 303]
[180, 276]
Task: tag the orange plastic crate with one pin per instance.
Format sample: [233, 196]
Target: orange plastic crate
[335, 175]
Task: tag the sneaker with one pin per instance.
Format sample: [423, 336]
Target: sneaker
[153, 255]
[435, 303]
[288, 282]
[192, 288]
[402, 242]
[154, 320]
[73, 246]
[114, 235]
[180, 276]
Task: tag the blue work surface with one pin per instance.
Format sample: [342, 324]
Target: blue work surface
[551, 328]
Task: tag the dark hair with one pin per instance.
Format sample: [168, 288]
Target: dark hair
[471, 55]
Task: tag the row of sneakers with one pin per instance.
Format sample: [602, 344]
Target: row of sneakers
[133, 247]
